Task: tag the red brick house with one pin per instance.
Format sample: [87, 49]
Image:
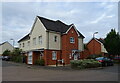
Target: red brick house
[95, 47]
[52, 41]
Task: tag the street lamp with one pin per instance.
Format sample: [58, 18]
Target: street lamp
[13, 42]
[94, 34]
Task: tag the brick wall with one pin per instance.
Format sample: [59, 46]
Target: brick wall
[48, 57]
[84, 54]
[94, 47]
[67, 47]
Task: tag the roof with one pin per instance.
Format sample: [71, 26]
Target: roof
[51, 25]
[56, 26]
[25, 38]
[100, 40]
[80, 35]
[4, 43]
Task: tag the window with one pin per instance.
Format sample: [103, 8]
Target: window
[40, 39]
[72, 40]
[72, 32]
[34, 41]
[23, 45]
[20, 45]
[54, 55]
[28, 43]
[70, 56]
[55, 38]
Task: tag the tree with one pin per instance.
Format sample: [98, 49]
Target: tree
[16, 52]
[112, 43]
[6, 53]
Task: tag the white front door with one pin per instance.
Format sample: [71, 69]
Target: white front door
[30, 58]
[76, 57]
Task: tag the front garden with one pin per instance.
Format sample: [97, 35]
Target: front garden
[85, 63]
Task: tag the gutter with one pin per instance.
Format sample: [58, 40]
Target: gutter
[48, 40]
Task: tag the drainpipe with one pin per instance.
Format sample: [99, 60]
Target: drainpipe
[48, 41]
[61, 46]
[47, 47]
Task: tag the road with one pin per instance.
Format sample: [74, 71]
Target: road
[21, 72]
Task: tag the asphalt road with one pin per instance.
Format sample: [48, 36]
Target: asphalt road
[21, 72]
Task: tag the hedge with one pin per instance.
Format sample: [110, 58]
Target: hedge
[18, 59]
[85, 63]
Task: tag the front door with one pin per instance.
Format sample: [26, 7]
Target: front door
[30, 58]
[75, 57]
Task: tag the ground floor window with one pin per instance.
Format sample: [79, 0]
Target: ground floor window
[54, 55]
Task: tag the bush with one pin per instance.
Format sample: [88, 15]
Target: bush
[40, 62]
[85, 63]
[18, 59]
[16, 52]
[6, 53]
[117, 61]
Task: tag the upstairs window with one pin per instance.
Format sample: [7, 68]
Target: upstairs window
[55, 38]
[40, 39]
[23, 45]
[34, 41]
[72, 40]
[20, 45]
[28, 43]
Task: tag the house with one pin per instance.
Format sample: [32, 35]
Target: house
[5, 46]
[96, 47]
[52, 41]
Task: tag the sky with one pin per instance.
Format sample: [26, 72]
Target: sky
[88, 17]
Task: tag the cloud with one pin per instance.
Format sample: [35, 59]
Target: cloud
[88, 17]
[99, 18]
[111, 16]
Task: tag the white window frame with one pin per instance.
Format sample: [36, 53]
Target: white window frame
[40, 39]
[55, 38]
[34, 41]
[54, 55]
[23, 45]
[20, 45]
[28, 43]
[72, 40]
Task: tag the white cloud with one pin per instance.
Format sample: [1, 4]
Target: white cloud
[88, 17]
[99, 18]
[111, 16]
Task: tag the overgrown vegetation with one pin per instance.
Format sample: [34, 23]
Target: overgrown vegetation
[6, 53]
[40, 62]
[16, 52]
[16, 55]
[112, 43]
[85, 63]
[18, 59]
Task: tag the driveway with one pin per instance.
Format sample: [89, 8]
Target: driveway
[22, 72]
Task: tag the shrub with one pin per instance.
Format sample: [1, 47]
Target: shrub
[6, 53]
[16, 52]
[85, 63]
[17, 59]
[40, 62]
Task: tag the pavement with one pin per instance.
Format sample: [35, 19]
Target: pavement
[21, 72]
